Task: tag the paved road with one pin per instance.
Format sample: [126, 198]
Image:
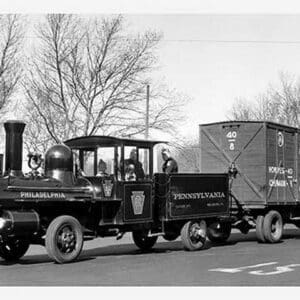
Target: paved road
[106, 262]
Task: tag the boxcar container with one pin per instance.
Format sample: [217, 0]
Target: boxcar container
[266, 158]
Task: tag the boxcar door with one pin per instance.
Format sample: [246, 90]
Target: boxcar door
[281, 165]
[290, 152]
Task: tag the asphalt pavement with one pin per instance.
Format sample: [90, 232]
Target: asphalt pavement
[241, 261]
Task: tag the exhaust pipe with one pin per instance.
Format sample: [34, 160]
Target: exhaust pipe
[14, 147]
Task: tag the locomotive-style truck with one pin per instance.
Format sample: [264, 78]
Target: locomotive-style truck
[85, 192]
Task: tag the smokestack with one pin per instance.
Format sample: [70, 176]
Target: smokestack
[14, 147]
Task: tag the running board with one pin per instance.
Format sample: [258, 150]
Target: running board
[156, 234]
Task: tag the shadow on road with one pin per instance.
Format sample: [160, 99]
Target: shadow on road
[112, 250]
[159, 248]
[237, 238]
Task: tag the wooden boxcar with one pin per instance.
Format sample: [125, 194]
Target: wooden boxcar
[263, 158]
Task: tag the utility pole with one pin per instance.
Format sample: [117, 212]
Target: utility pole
[146, 157]
[147, 113]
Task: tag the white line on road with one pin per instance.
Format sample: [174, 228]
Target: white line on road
[279, 270]
[240, 269]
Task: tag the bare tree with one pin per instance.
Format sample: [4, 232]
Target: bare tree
[188, 157]
[11, 38]
[89, 77]
[279, 103]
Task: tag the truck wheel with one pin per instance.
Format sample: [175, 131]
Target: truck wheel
[259, 229]
[13, 249]
[64, 239]
[219, 232]
[143, 241]
[193, 235]
[273, 226]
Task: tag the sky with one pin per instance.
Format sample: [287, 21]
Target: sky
[215, 59]
[214, 55]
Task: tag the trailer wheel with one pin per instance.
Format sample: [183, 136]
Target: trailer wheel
[273, 226]
[193, 235]
[143, 241]
[64, 239]
[13, 249]
[260, 229]
[219, 232]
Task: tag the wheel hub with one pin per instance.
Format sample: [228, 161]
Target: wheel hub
[197, 233]
[67, 240]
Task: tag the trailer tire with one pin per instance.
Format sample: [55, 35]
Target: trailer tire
[64, 239]
[260, 229]
[143, 241]
[273, 226]
[13, 249]
[219, 235]
[193, 235]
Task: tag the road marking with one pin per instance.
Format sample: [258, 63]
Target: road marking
[279, 270]
[259, 272]
[240, 269]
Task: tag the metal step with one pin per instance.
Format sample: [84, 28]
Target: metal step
[156, 234]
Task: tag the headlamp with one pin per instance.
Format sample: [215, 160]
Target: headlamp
[2, 223]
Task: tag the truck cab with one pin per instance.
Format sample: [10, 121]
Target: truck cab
[121, 173]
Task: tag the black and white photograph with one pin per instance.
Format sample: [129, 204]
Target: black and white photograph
[149, 148]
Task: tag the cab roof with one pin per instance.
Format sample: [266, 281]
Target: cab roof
[91, 142]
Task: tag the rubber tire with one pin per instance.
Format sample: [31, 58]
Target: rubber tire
[170, 237]
[186, 239]
[143, 241]
[220, 235]
[17, 249]
[51, 239]
[259, 229]
[267, 226]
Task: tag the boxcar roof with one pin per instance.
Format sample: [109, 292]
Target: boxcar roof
[100, 140]
[259, 122]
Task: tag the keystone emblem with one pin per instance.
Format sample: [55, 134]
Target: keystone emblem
[137, 200]
[107, 188]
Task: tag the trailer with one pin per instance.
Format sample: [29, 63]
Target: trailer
[263, 159]
[99, 186]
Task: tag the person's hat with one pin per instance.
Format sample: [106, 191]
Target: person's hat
[165, 150]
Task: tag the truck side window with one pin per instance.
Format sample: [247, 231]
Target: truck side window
[144, 159]
[88, 163]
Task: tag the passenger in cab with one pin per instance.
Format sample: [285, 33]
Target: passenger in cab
[170, 165]
[102, 168]
[138, 167]
[130, 173]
